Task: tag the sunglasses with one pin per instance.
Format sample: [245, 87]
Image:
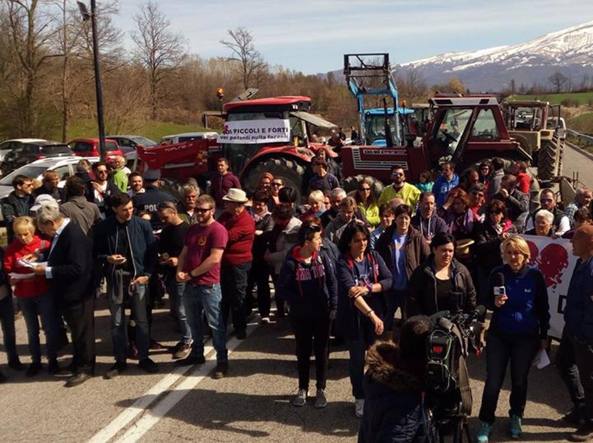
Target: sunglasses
[101, 171]
[365, 189]
[202, 210]
[397, 174]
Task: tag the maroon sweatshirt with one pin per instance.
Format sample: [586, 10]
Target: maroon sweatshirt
[241, 229]
[221, 185]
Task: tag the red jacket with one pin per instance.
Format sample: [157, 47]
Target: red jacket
[32, 287]
[241, 230]
[524, 182]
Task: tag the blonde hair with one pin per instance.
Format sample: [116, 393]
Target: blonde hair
[25, 221]
[517, 242]
[317, 196]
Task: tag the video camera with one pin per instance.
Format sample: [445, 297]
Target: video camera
[449, 398]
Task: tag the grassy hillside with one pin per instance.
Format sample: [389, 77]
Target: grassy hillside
[151, 129]
[572, 98]
[582, 123]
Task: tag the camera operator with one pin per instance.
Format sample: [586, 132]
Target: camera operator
[394, 386]
[442, 282]
[519, 328]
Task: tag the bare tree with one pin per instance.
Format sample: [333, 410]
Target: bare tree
[158, 49]
[558, 80]
[30, 29]
[250, 60]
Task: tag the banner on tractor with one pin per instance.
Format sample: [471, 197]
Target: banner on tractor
[554, 259]
[255, 131]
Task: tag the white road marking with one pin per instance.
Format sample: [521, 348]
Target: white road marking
[151, 414]
[141, 404]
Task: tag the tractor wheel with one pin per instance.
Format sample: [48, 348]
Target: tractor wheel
[351, 184]
[547, 160]
[291, 172]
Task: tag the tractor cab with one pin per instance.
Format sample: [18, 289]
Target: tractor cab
[467, 129]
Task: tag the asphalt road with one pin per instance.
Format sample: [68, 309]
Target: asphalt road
[251, 403]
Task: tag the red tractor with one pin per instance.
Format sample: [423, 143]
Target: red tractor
[462, 129]
[274, 135]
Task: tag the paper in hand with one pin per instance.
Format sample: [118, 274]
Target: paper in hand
[541, 360]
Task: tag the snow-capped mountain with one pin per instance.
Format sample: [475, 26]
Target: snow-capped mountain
[569, 52]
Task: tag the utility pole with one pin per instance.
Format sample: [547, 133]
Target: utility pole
[98, 86]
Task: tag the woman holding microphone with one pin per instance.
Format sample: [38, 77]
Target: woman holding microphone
[519, 328]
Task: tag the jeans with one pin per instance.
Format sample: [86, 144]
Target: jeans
[43, 306]
[138, 303]
[80, 318]
[583, 353]
[566, 364]
[234, 286]
[311, 334]
[175, 290]
[205, 298]
[8, 330]
[396, 298]
[520, 350]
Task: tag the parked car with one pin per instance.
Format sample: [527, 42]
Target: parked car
[89, 147]
[16, 144]
[186, 137]
[31, 152]
[128, 143]
[65, 167]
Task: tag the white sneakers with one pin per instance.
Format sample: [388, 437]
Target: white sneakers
[301, 398]
[359, 407]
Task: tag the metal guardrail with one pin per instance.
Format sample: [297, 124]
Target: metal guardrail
[588, 139]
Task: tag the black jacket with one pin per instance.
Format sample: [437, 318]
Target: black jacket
[71, 263]
[142, 243]
[393, 408]
[14, 206]
[422, 298]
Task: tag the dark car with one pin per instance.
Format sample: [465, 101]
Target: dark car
[128, 143]
[30, 152]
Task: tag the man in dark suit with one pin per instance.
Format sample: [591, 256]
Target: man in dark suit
[68, 271]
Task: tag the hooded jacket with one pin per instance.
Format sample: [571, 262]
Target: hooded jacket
[422, 298]
[309, 289]
[350, 321]
[393, 409]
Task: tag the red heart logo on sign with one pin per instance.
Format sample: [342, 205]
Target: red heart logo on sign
[551, 261]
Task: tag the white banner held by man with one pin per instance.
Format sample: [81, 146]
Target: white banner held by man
[256, 131]
[554, 259]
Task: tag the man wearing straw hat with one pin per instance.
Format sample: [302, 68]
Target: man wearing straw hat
[237, 258]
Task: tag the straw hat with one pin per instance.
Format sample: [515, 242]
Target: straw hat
[236, 195]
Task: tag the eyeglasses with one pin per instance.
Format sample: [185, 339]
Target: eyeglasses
[202, 210]
[397, 174]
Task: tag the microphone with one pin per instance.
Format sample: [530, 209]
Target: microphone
[499, 288]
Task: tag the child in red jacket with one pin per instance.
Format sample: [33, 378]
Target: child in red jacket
[32, 293]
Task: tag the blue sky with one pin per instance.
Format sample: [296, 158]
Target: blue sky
[312, 35]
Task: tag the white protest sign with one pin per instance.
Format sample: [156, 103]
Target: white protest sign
[255, 131]
[554, 259]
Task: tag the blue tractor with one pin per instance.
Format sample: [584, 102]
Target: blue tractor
[380, 118]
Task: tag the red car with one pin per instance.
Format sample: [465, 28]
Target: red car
[89, 147]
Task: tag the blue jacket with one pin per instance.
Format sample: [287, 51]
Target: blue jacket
[309, 292]
[143, 244]
[526, 311]
[578, 313]
[393, 408]
[350, 321]
[442, 187]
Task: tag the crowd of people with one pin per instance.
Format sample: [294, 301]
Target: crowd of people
[362, 266]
